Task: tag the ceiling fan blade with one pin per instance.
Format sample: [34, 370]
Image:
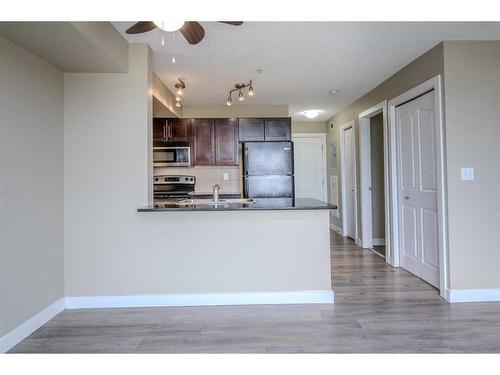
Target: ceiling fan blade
[234, 23]
[141, 27]
[192, 31]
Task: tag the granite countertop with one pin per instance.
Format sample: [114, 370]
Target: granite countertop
[261, 204]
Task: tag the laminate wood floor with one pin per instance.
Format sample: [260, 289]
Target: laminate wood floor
[377, 309]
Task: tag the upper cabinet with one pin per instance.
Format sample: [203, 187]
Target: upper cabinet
[215, 141]
[203, 141]
[265, 129]
[251, 129]
[160, 129]
[277, 129]
[172, 129]
[226, 141]
[180, 130]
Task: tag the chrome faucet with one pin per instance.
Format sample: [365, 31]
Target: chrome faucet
[216, 189]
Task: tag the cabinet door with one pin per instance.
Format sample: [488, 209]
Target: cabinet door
[277, 129]
[226, 141]
[251, 129]
[180, 130]
[159, 129]
[204, 141]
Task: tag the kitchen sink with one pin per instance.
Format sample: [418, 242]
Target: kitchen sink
[222, 202]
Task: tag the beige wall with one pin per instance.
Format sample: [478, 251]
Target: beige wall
[420, 70]
[377, 172]
[95, 47]
[106, 138]
[165, 100]
[31, 185]
[111, 249]
[472, 85]
[236, 110]
[308, 126]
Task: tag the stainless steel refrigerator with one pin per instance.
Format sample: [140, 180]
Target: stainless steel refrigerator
[268, 170]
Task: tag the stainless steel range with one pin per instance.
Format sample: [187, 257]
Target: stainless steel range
[173, 188]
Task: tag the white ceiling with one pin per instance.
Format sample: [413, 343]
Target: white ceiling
[302, 61]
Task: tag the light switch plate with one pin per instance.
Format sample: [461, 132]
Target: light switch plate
[467, 174]
[225, 176]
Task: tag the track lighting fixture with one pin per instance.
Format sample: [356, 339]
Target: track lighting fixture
[179, 86]
[239, 87]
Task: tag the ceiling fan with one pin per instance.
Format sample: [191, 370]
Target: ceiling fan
[191, 30]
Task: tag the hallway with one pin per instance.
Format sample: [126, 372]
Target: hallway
[377, 309]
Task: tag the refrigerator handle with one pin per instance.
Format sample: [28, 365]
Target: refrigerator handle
[245, 160]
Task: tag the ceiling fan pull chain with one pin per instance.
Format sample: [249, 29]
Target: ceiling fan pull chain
[173, 47]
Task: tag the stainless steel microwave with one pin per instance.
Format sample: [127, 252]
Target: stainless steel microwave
[172, 154]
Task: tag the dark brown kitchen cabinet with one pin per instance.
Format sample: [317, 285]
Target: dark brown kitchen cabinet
[251, 129]
[160, 129]
[203, 141]
[226, 141]
[180, 130]
[277, 129]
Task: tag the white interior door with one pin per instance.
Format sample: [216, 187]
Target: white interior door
[350, 182]
[417, 188]
[309, 167]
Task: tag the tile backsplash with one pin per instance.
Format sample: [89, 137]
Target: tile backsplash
[208, 176]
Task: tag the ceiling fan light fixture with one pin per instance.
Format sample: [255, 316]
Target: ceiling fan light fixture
[241, 97]
[178, 104]
[169, 26]
[229, 101]
[250, 90]
[311, 113]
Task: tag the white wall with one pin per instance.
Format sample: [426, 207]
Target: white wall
[31, 185]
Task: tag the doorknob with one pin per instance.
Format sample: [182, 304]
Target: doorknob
[407, 197]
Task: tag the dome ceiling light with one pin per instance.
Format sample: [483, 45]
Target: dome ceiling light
[312, 113]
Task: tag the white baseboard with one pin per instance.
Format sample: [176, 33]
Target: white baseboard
[336, 229]
[379, 242]
[473, 295]
[28, 327]
[358, 242]
[251, 298]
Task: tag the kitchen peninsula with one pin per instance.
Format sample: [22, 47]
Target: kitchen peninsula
[268, 251]
[257, 244]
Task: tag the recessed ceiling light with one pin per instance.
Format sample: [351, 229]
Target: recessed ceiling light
[333, 91]
[312, 113]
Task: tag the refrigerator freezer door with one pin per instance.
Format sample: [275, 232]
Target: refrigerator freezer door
[268, 186]
[268, 158]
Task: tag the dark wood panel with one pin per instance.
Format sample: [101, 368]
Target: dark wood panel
[159, 129]
[180, 130]
[251, 129]
[277, 129]
[203, 141]
[226, 142]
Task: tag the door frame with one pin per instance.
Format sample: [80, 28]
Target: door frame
[365, 174]
[394, 251]
[322, 137]
[347, 125]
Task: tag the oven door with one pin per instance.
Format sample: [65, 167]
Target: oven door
[171, 156]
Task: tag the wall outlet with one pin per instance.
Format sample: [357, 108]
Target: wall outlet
[467, 174]
[225, 176]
